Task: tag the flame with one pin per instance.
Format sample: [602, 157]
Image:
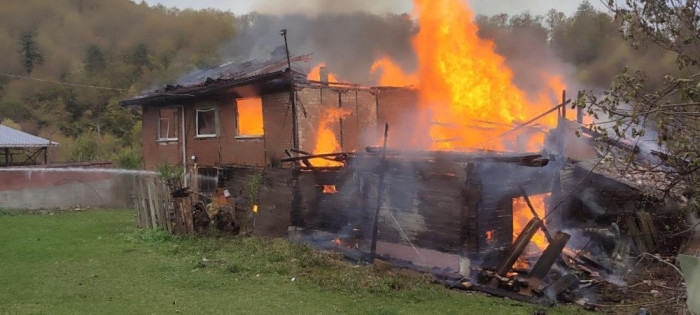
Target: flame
[315, 74]
[460, 79]
[250, 116]
[329, 189]
[391, 73]
[255, 208]
[522, 215]
[337, 241]
[326, 140]
[489, 235]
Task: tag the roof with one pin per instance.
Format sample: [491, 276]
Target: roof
[13, 138]
[217, 78]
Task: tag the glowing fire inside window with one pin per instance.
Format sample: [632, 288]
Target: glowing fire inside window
[250, 116]
[329, 189]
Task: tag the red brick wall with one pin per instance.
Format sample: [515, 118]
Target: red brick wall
[155, 152]
[259, 152]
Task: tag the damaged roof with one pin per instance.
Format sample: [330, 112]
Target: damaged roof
[13, 138]
[217, 78]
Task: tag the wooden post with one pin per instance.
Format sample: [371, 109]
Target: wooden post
[549, 257]
[151, 204]
[8, 160]
[380, 196]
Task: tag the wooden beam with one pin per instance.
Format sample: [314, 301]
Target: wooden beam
[517, 249]
[549, 257]
[380, 196]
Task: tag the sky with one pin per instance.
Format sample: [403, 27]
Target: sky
[487, 7]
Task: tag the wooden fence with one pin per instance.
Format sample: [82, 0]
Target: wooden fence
[156, 208]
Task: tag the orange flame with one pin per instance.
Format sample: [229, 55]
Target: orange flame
[255, 208]
[250, 116]
[461, 79]
[326, 140]
[329, 189]
[391, 73]
[337, 241]
[522, 215]
[315, 74]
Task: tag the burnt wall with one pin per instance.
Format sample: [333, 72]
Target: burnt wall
[274, 197]
[399, 108]
[353, 131]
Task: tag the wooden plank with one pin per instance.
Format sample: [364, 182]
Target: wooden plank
[151, 205]
[136, 202]
[634, 232]
[646, 225]
[517, 249]
[549, 257]
[561, 285]
[144, 204]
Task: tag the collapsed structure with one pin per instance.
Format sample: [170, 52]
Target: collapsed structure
[304, 156]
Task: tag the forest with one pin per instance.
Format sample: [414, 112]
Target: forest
[67, 63]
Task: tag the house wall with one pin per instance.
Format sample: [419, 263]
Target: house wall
[399, 108]
[226, 148]
[352, 131]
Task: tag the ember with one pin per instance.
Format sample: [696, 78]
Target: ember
[329, 189]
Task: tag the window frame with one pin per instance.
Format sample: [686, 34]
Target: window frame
[238, 134]
[158, 128]
[216, 122]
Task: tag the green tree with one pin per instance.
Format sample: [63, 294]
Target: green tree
[94, 59]
[669, 110]
[29, 51]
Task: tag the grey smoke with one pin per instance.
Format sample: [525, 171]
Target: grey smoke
[347, 42]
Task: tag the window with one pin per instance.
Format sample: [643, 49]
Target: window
[206, 122]
[250, 117]
[167, 124]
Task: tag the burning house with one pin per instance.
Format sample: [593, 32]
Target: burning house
[465, 176]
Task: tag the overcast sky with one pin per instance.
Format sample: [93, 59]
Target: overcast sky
[488, 7]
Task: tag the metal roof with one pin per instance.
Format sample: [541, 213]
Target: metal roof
[13, 138]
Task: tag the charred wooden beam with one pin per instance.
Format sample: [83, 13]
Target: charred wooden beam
[549, 257]
[534, 160]
[339, 156]
[534, 213]
[380, 197]
[513, 295]
[562, 284]
[517, 249]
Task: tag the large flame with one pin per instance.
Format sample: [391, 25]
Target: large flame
[461, 79]
[315, 74]
[326, 139]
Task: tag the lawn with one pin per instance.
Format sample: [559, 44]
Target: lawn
[98, 262]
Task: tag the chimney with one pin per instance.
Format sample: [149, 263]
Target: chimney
[323, 74]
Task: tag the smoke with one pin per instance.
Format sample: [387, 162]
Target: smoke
[320, 7]
[347, 42]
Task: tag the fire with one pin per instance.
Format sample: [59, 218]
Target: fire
[329, 189]
[337, 241]
[326, 140]
[522, 215]
[391, 73]
[489, 235]
[255, 208]
[461, 78]
[250, 116]
[315, 74]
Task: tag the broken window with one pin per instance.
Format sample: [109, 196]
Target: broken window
[206, 122]
[250, 117]
[167, 124]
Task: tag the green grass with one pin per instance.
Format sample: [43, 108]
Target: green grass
[97, 262]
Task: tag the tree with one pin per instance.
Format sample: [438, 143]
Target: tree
[94, 59]
[667, 113]
[29, 51]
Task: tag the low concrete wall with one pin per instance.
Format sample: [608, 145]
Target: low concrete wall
[46, 189]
